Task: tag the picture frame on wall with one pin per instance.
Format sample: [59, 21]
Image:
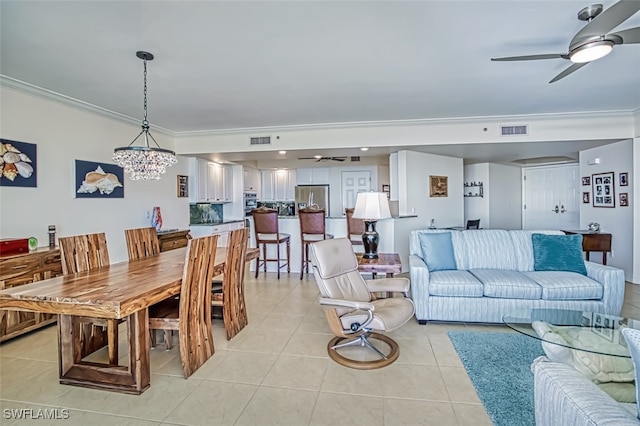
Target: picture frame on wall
[624, 199]
[438, 186]
[386, 189]
[624, 179]
[98, 180]
[19, 165]
[585, 197]
[586, 180]
[183, 186]
[602, 188]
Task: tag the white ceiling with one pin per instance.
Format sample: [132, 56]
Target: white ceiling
[236, 64]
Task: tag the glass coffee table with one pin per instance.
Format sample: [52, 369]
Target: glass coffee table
[581, 330]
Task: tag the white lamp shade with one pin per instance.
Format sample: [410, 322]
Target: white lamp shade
[372, 206]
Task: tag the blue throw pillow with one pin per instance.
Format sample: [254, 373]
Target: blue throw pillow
[558, 253]
[437, 251]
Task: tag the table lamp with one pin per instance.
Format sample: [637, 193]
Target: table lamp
[371, 206]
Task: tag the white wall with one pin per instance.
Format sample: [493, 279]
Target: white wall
[505, 196]
[617, 221]
[64, 134]
[414, 169]
[477, 207]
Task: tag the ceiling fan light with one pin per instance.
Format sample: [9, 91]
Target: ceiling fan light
[591, 51]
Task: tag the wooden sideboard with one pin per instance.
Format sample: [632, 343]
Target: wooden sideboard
[20, 269]
[592, 241]
[173, 239]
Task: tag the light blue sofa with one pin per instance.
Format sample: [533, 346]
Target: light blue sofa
[563, 396]
[495, 275]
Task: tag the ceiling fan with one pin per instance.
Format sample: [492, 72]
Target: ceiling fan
[322, 158]
[592, 41]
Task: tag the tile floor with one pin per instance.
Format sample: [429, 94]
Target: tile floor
[275, 372]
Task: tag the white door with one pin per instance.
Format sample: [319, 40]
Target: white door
[352, 183]
[551, 198]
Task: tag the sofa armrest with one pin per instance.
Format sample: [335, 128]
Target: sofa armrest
[563, 396]
[612, 280]
[419, 274]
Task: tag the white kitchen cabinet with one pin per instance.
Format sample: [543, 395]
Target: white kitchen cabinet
[313, 176]
[227, 186]
[268, 192]
[251, 179]
[216, 182]
[198, 179]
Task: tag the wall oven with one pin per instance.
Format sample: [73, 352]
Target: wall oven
[250, 202]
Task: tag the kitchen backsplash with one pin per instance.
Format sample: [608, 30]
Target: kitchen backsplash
[205, 213]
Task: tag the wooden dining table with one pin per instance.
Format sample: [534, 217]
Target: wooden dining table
[119, 291]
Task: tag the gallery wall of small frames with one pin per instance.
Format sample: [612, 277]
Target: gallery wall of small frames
[603, 189]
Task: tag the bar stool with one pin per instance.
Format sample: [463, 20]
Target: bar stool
[312, 229]
[265, 226]
[355, 228]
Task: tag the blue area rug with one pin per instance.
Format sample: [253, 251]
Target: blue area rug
[499, 365]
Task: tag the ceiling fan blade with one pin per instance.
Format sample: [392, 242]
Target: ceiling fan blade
[337, 158]
[566, 72]
[532, 57]
[632, 35]
[608, 20]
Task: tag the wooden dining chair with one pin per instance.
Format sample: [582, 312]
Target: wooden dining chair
[265, 226]
[312, 229]
[83, 253]
[355, 227]
[142, 242]
[190, 314]
[231, 299]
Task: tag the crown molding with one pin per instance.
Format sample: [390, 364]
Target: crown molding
[50, 95]
[500, 119]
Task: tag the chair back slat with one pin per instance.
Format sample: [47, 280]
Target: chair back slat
[83, 253]
[196, 346]
[234, 310]
[265, 221]
[312, 221]
[142, 242]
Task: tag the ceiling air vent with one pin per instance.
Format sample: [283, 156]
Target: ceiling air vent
[513, 130]
[262, 140]
[355, 158]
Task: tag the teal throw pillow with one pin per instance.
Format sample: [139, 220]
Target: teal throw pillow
[437, 251]
[558, 253]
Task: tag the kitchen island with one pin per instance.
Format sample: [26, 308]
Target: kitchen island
[394, 237]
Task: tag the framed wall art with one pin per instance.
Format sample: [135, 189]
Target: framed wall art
[19, 164]
[624, 199]
[386, 189]
[438, 186]
[603, 190]
[586, 180]
[183, 186]
[99, 180]
[624, 179]
[585, 197]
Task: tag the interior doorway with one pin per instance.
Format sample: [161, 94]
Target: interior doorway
[551, 197]
[352, 183]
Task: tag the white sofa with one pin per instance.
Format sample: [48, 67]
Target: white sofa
[495, 275]
[563, 396]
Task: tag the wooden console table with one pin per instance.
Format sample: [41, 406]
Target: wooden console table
[594, 242]
[170, 240]
[20, 269]
[387, 263]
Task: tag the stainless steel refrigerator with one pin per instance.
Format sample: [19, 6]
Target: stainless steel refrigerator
[307, 195]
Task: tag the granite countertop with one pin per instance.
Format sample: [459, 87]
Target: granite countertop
[224, 222]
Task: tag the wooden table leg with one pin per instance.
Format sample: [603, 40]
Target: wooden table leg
[133, 378]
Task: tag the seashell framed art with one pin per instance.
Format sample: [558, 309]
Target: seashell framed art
[18, 164]
[99, 180]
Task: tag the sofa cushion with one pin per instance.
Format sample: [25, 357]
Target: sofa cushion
[521, 240]
[437, 251]
[454, 283]
[489, 249]
[560, 285]
[632, 337]
[507, 284]
[558, 253]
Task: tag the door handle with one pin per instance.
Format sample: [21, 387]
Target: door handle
[562, 209]
[556, 209]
